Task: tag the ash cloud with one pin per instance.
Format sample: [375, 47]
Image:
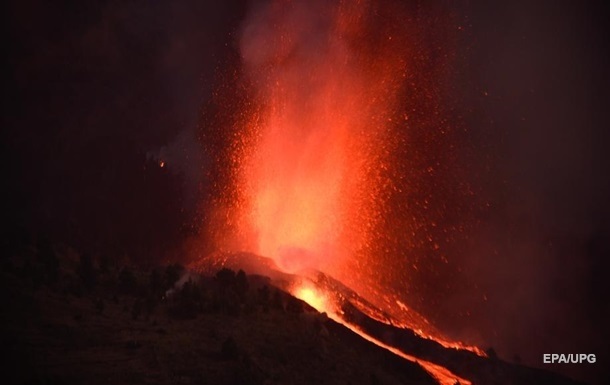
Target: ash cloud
[273, 33]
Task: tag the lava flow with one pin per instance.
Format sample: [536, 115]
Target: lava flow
[322, 302]
[313, 158]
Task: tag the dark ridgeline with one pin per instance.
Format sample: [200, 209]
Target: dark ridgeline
[168, 324]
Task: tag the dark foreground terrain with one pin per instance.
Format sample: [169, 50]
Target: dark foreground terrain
[79, 322]
[71, 318]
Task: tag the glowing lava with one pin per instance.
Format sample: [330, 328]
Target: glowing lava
[319, 301]
[443, 375]
[327, 82]
[314, 150]
[309, 182]
[314, 298]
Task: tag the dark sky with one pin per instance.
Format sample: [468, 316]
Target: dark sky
[96, 93]
[538, 90]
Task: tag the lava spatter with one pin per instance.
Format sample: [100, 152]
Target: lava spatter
[314, 174]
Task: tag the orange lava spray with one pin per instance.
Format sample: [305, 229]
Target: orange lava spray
[330, 87]
[326, 94]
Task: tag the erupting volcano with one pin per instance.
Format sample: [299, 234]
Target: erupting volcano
[329, 92]
[305, 192]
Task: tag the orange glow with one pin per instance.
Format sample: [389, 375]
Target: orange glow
[310, 179]
[314, 298]
[443, 375]
[310, 160]
[321, 302]
[312, 156]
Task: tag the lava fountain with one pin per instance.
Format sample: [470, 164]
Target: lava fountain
[312, 153]
[327, 94]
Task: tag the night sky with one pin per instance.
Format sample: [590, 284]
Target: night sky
[97, 94]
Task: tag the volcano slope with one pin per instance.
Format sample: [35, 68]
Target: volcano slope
[72, 319]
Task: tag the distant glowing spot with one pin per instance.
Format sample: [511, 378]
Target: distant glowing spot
[161, 164]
